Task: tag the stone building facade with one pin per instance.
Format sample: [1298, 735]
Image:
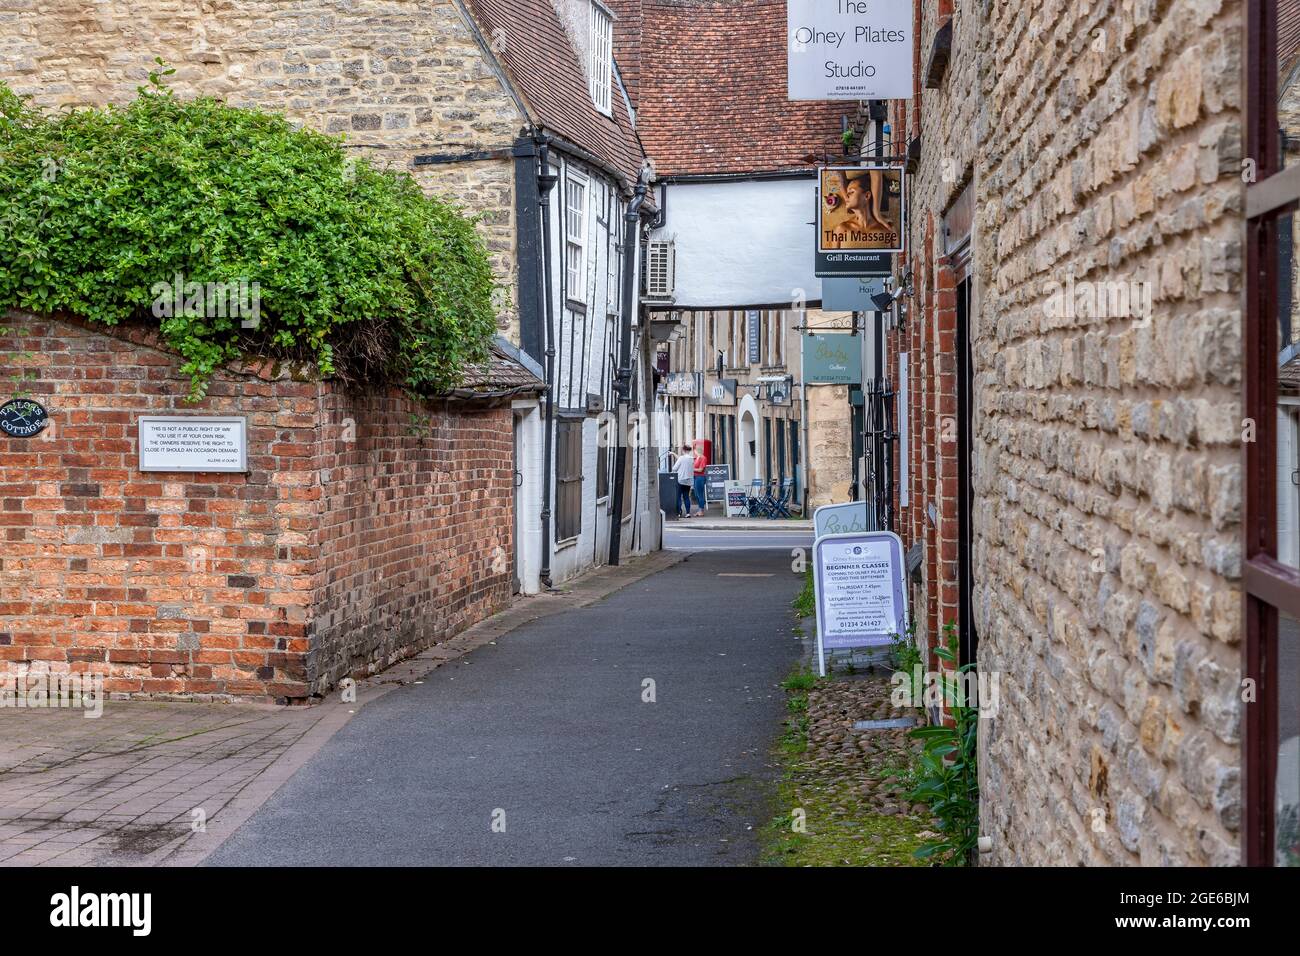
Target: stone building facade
[353, 539]
[397, 78]
[1074, 341]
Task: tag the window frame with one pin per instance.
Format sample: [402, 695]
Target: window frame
[576, 267]
[600, 38]
[1269, 586]
[568, 479]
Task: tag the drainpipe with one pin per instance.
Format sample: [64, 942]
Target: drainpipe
[545, 183]
[623, 375]
[803, 426]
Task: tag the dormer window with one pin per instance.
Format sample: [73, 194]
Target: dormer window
[602, 59]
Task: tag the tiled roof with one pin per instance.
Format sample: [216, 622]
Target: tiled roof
[1288, 32]
[627, 42]
[501, 377]
[711, 96]
[532, 44]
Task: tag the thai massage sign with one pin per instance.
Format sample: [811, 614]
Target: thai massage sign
[193, 443]
[849, 49]
[860, 595]
[860, 219]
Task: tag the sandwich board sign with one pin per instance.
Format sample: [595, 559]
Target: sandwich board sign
[737, 500]
[858, 582]
[840, 518]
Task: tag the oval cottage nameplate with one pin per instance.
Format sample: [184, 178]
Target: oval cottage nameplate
[23, 418]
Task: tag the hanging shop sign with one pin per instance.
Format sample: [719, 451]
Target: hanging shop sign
[754, 335]
[192, 443]
[720, 391]
[860, 219]
[776, 388]
[849, 50]
[23, 418]
[681, 385]
[841, 518]
[832, 359]
[851, 293]
[858, 584]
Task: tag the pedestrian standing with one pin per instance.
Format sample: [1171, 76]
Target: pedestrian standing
[701, 476]
[684, 467]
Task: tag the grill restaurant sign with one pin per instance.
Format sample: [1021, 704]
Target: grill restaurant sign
[849, 49]
[861, 217]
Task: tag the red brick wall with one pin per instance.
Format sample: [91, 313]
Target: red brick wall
[328, 557]
[417, 515]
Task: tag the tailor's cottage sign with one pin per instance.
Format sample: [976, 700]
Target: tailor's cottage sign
[832, 359]
[849, 49]
[23, 418]
[193, 443]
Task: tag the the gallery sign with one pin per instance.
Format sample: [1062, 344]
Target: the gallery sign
[832, 359]
[860, 219]
[849, 49]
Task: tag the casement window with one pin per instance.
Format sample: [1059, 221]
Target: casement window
[1271, 394]
[602, 59]
[568, 478]
[575, 236]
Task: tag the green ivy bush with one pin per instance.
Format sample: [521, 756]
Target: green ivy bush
[357, 269]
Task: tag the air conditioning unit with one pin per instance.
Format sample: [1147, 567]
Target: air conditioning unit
[660, 266]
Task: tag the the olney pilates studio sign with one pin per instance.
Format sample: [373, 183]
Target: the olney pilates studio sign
[849, 49]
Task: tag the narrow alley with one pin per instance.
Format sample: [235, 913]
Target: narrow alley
[552, 734]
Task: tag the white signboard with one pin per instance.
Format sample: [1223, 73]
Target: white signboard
[192, 443]
[860, 593]
[849, 49]
[737, 499]
[840, 519]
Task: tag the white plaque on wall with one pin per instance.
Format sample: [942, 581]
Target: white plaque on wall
[192, 443]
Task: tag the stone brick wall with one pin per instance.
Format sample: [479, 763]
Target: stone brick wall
[396, 78]
[1102, 142]
[340, 550]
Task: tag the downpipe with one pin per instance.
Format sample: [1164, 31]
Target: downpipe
[546, 181]
[623, 374]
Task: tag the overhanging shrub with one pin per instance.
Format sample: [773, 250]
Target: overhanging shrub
[103, 210]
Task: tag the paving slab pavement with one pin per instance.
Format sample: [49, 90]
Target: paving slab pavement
[165, 782]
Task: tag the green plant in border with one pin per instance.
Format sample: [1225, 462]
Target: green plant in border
[946, 771]
[805, 604]
[357, 269]
[907, 656]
